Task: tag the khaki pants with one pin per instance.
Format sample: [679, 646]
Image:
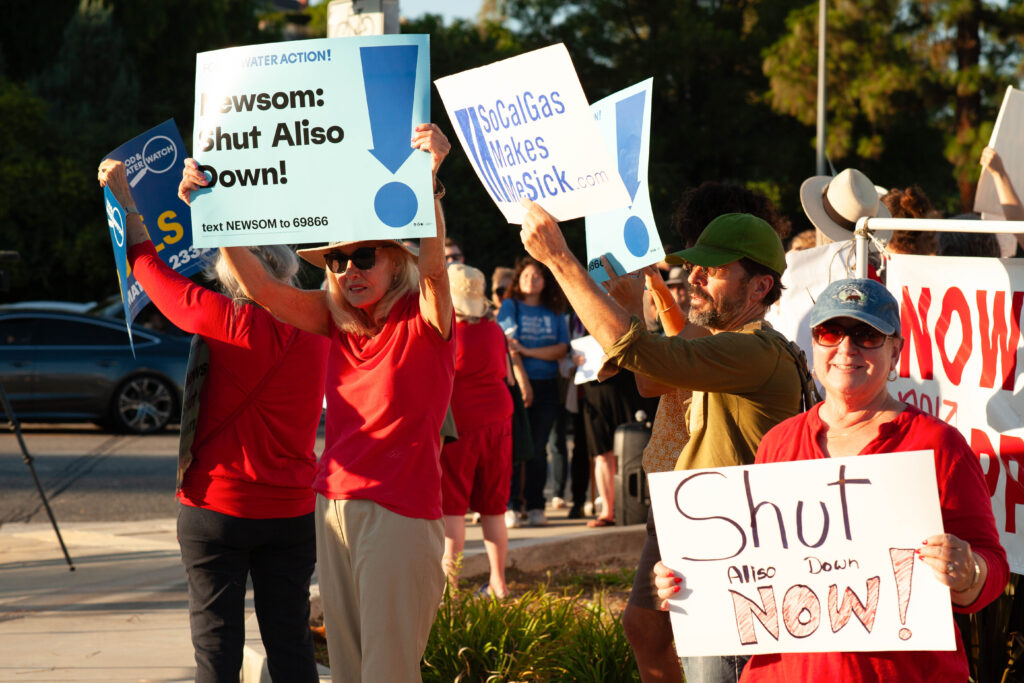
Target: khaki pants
[381, 582]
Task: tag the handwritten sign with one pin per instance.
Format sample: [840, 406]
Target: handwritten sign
[152, 164]
[960, 363]
[308, 141]
[527, 129]
[627, 236]
[804, 556]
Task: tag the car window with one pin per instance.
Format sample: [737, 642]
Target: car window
[16, 331]
[66, 332]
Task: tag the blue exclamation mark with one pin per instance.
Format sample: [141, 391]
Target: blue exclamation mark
[389, 79]
[629, 126]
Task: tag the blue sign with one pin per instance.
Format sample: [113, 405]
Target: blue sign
[310, 141]
[153, 163]
[627, 237]
[118, 235]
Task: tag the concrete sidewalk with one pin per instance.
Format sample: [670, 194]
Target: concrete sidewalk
[122, 615]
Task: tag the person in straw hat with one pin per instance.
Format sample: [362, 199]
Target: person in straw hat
[476, 470]
[835, 204]
[388, 314]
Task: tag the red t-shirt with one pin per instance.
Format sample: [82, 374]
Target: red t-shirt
[387, 396]
[966, 513]
[261, 466]
[480, 396]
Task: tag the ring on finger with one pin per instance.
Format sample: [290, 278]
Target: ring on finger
[950, 567]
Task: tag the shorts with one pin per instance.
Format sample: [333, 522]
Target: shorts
[645, 593]
[476, 470]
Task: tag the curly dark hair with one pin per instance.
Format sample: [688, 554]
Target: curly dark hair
[702, 204]
[911, 203]
[551, 297]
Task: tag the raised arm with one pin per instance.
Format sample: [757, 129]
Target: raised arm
[1013, 209]
[435, 291]
[112, 174]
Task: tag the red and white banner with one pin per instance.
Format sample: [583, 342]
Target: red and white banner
[961, 319]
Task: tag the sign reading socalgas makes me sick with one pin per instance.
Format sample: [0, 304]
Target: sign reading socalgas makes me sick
[153, 166]
[804, 556]
[627, 237]
[528, 131]
[309, 141]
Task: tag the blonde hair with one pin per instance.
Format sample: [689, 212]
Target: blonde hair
[352, 320]
[277, 259]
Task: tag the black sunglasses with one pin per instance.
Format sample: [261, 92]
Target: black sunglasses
[864, 336]
[500, 291]
[363, 258]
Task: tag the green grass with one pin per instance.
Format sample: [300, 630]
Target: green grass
[540, 636]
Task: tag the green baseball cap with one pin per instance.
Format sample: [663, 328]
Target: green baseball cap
[733, 236]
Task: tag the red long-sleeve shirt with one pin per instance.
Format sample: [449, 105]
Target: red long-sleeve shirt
[261, 465]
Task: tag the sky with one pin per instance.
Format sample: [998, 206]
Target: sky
[449, 9]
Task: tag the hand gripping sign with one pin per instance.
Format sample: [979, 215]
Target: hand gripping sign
[117, 225]
[806, 556]
[152, 164]
[527, 129]
[309, 141]
[627, 236]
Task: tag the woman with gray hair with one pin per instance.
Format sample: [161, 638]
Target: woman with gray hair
[246, 462]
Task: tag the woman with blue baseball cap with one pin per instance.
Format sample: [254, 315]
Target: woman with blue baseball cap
[855, 328]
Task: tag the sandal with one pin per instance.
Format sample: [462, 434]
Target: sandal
[600, 522]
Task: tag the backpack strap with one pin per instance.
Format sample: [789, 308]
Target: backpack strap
[809, 390]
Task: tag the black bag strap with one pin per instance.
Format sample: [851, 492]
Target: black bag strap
[809, 390]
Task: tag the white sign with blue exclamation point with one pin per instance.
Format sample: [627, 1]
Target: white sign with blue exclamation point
[627, 237]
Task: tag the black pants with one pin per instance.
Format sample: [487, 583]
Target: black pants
[218, 552]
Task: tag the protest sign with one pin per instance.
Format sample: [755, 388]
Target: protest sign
[1008, 140]
[627, 236]
[960, 363]
[592, 354]
[803, 556]
[309, 141]
[118, 237]
[527, 129]
[152, 162]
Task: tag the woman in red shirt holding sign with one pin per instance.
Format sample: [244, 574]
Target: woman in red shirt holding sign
[390, 368]
[856, 332]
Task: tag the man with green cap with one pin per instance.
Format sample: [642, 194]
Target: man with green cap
[744, 376]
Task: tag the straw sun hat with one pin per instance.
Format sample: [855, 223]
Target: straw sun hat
[833, 205]
[467, 287]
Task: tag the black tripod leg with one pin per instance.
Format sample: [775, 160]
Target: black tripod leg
[16, 426]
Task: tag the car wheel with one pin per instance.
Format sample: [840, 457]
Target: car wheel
[142, 405]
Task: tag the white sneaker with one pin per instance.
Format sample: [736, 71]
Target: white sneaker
[557, 503]
[511, 519]
[536, 518]
[475, 519]
[599, 506]
[588, 509]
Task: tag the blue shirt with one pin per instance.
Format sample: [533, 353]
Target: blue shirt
[533, 327]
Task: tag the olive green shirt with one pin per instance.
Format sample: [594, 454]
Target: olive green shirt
[744, 382]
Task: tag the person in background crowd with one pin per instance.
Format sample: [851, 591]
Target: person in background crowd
[744, 375]
[501, 278]
[245, 480]
[476, 470]
[390, 370]
[856, 331]
[452, 251]
[911, 203]
[531, 316]
[835, 204]
[803, 240]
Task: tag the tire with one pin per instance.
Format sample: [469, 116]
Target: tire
[142, 405]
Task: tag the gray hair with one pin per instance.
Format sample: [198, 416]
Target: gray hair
[278, 260]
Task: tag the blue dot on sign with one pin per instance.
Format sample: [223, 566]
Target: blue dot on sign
[395, 204]
[634, 234]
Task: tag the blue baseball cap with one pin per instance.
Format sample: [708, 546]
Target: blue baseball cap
[861, 299]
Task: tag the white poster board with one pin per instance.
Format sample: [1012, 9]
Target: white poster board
[527, 130]
[309, 141]
[1008, 140]
[592, 354]
[803, 556]
[961, 363]
[628, 236]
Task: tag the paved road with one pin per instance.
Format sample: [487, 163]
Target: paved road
[89, 475]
